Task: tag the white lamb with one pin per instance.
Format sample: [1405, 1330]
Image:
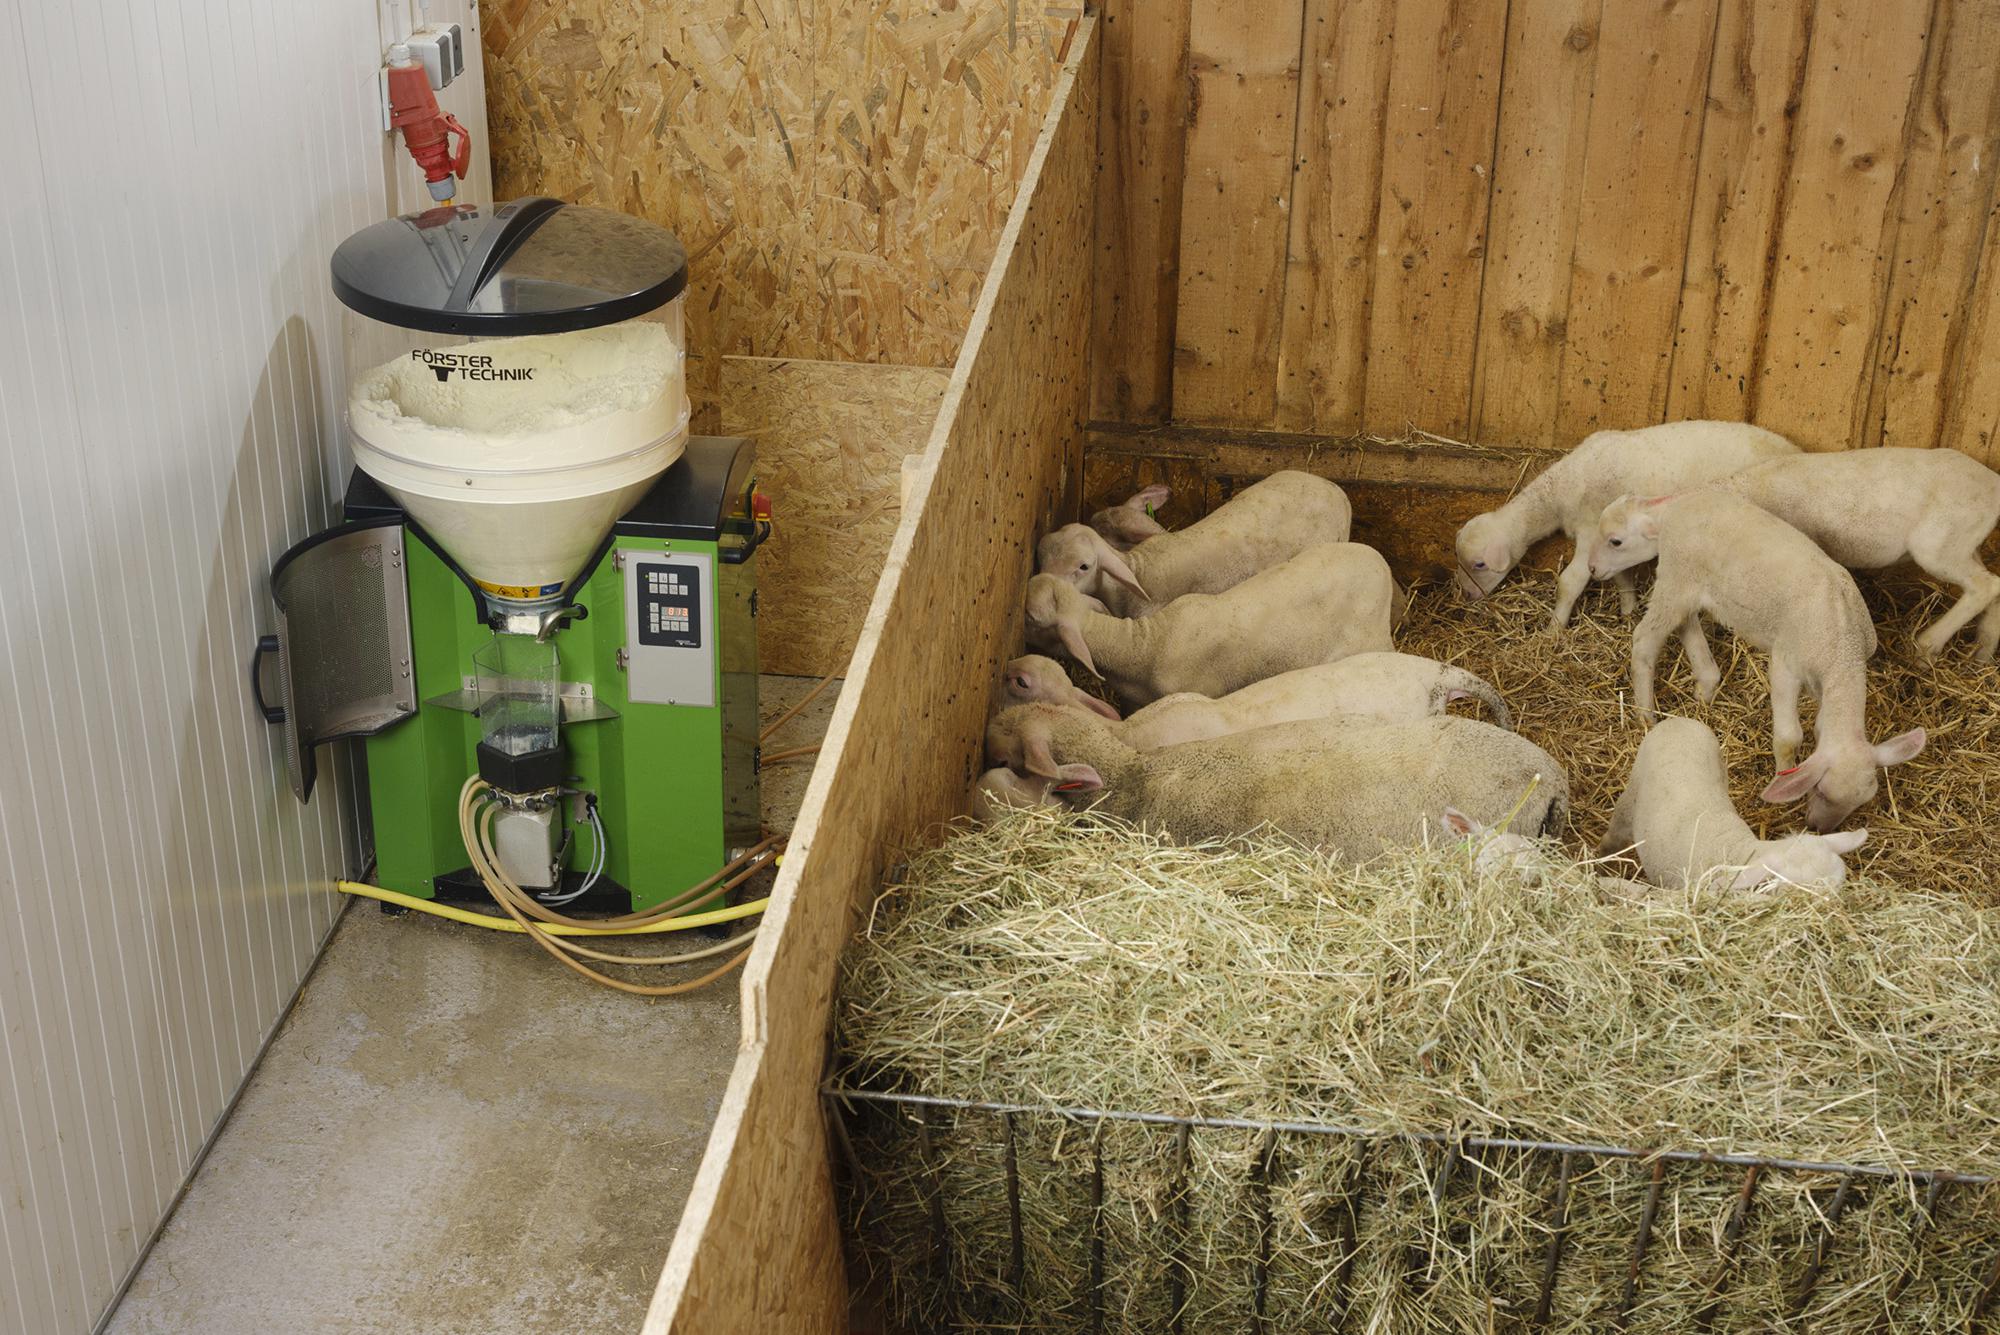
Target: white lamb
[1352, 790]
[1868, 509]
[1675, 814]
[1649, 461]
[1382, 687]
[1266, 524]
[1326, 603]
[1766, 581]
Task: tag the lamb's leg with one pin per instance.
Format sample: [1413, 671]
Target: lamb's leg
[1570, 584]
[1707, 676]
[1647, 641]
[1628, 592]
[1989, 633]
[1960, 566]
[1786, 731]
[1618, 838]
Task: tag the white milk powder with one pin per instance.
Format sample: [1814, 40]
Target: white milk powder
[536, 402]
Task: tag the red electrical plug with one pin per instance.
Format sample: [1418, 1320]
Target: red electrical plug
[413, 109]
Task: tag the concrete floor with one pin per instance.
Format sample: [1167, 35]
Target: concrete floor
[453, 1134]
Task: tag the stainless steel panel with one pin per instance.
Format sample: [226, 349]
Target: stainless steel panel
[669, 628]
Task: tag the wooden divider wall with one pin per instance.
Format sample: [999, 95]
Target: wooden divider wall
[1519, 222]
[758, 1248]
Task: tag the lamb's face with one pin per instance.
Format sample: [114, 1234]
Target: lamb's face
[1628, 534]
[1804, 859]
[1484, 556]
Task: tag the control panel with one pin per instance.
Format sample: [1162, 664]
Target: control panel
[670, 628]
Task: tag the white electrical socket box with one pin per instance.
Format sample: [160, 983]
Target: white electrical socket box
[441, 49]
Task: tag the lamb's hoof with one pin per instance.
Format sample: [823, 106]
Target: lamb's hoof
[1930, 644]
[1705, 691]
[1984, 653]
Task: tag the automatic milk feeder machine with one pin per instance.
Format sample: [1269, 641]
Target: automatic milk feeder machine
[542, 580]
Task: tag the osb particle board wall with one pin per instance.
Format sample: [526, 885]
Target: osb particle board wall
[758, 1248]
[1516, 223]
[840, 170]
[831, 438]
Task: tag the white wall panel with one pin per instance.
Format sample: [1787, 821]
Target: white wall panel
[173, 176]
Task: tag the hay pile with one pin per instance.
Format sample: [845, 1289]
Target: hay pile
[1057, 960]
[1936, 823]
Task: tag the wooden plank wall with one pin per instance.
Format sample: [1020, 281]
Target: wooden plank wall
[1515, 223]
[758, 1248]
[839, 169]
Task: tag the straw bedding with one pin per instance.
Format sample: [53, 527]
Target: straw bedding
[1070, 961]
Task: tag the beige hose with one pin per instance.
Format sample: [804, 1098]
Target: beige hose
[512, 898]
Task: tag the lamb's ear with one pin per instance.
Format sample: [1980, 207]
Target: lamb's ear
[1903, 746]
[1078, 779]
[1846, 841]
[1461, 824]
[1800, 779]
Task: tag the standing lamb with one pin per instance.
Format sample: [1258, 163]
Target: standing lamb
[1326, 603]
[1374, 688]
[1131, 522]
[1868, 509]
[1676, 815]
[1572, 491]
[1766, 581]
[1268, 523]
[1352, 790]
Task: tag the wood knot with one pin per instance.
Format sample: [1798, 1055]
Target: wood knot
[1580, 38]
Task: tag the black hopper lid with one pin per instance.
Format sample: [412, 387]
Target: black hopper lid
[529, 266]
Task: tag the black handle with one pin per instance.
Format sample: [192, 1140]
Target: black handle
[266, 644]
[736, 556]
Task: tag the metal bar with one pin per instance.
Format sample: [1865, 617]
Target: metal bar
[1639, 1245]
[1178, 1267]
[1731, 1235]
[1428, 1137]
[929, 1160]
[1927, 1216]
[1552, 1258]
[1261, 1168]
[1350, 1237]
[1822, 1244]
[1097, 1231]
[1986, 1297]
[1016, 1263]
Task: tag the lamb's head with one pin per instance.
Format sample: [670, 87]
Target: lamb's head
[1803, 859]
[1079, 555]
[1033, 677]
[1126, 526]
[1001, 790]
[1498, 852]
[1837, 779]
[1025, 739]
[1486, 552]
[1054, 618]
[1628, 534]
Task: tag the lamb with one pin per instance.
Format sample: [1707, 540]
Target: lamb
[1131, 522]
[1675, 814]
[1571, 492]
[1873, 508]
[1269, 523]
[1001, 790]
[1766, 581]
[1353, 791]
[1328, 602]
[1502, 853]
[1371, 688]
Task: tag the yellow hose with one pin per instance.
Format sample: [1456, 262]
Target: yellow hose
[487, 920]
